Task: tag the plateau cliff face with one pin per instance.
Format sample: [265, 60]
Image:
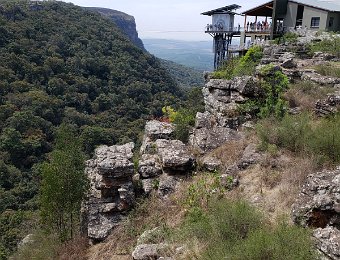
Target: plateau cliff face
[124, 21]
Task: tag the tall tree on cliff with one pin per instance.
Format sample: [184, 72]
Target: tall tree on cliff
[63, 184]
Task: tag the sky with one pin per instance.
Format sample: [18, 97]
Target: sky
[170, 19]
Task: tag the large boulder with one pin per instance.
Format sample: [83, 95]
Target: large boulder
[249, 157]
[162, 158]
[175, 156]
[167, 184]
[115, 161]
[321, 80]
[149, 166]
[318, 204]
[206, 139]
[222, 98]
[148, 251]
[155, 129]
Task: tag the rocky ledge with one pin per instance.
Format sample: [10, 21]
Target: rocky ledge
[318, 207]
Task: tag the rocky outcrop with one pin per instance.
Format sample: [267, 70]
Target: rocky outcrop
[328, 106]
[321, 80]
[163, 160]
[221, 98]
[208, 134]
[328, 241]
[111, 192]
[318, 206]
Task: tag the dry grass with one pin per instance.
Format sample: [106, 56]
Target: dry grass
[74, 249]
[148, 214]
[274, 184]
[230, 152]
[304, 94]
[271, 185]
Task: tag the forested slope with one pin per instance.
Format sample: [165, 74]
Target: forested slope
[62, 64]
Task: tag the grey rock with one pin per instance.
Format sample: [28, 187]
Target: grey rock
[149, 166]
[100, 228]
[317, 203]
[148, 235]
[231, 170]
[328, 241]
[247, 86]
[111, 192]
[321, 80]
[250, 156]
[175, 156]
[222, 99]
[205, 119]
[148, 251]
[167, 184]
[221, 84]
[155, 129]
[211, 163]
[229, 181]
[289, 64]
[115, 161]
[149, 185]
[29, 239]
[204, 139]
[329, 105]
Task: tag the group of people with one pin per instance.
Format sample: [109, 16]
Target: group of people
[259, 26]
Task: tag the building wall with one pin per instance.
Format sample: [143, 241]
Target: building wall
[310, 12]
[290, 18]
[336, 24]
[226, 20]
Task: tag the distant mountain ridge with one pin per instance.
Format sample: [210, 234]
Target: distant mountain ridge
[185, 76]
[124, 21]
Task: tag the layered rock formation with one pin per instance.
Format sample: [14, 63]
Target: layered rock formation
[163, 160]
[222, 97]
[318, 206]
[111, 192]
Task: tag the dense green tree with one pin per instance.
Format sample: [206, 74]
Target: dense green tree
[63, 184]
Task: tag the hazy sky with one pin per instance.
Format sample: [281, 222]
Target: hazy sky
[170, 19]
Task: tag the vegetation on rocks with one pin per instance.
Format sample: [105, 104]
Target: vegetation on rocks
[240, 66]
[62, 64]
[303, 135]
[331, 45]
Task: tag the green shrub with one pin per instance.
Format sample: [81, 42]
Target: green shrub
[329, 69]
[226, 71]
[330, 45]
[249, 61]
[184, 120]
[240, 66]
[289, 37]
[303, 135]
[284, 242]
[236, 230]
[274, 83]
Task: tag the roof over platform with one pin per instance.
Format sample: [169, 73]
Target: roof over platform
[267, 8]
[261, 10]
[223, 10]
